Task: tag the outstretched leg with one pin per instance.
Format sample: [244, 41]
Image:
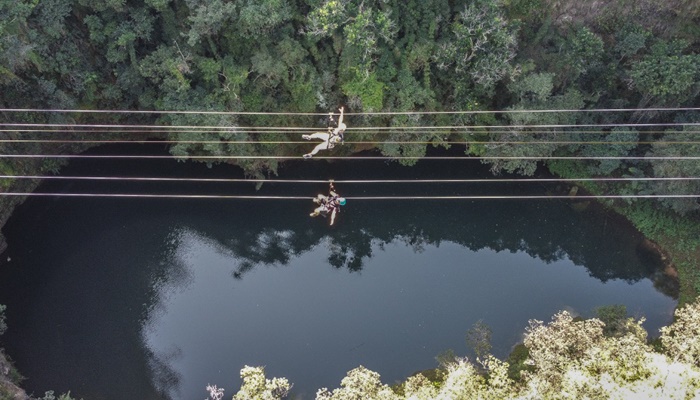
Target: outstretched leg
[317, 211]
[317, 135]
[320, 200]
[321, 146]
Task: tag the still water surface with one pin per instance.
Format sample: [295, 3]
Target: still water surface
[155, 299]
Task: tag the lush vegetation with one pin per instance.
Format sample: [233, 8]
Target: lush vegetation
[388, 55]
[313, 55]
[569, 358]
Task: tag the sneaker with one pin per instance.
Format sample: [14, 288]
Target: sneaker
[307, 155]
[306, 137]
[313, 214]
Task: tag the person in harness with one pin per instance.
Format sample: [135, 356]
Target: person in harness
[330, 139]
[328, 205]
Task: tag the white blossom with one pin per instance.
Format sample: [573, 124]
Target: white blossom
[215, 393]
[569, 359]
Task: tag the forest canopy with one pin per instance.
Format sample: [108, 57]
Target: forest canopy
[372, 55]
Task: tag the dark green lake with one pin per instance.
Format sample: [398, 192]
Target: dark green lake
[156, 298]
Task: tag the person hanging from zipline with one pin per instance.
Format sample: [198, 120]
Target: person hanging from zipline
[328, 205]
[330, 139]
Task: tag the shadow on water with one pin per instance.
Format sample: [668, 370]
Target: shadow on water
[85, 279]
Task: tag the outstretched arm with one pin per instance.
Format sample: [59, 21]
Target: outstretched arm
[340, 119]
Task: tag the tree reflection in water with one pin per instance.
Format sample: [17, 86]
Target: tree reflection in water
[549, 230]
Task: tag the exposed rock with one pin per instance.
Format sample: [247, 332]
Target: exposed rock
[9, 389]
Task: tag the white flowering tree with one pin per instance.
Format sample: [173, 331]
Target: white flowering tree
[569, 359]
[573, 360]
[359, 384]
[681, 339]
[257, 387]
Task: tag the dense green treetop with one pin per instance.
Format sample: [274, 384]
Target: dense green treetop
[371, 55]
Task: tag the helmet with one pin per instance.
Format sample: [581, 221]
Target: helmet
[341, 201]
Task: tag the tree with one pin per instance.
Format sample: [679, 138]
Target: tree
[405, 142]
[159, 5]
[619, 142]
[574, 359]
[581, 51]
[168, 69]
[559, 346]
[365, 93]
[360, 383]
[257, 387]
[630, 39]
[479, 338]
[533, 89]
[283, 76]
[676, 143]
[121, 33]
[51, 16]
[104, 5]
[520, 140]
[364, 27]
[207, 18]
[260, 17]
[666, 76]
[481, 46]
[15, 46]
[615, 319]
[681, 339]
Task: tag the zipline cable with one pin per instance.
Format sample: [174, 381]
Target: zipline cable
[477, 129]
[381, 113]
[244, 197]
[485, 142]
[228, 130]
[288, 129]
[240, 157]
[346, 181]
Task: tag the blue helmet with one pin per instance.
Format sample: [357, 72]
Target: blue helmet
[341, 201]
